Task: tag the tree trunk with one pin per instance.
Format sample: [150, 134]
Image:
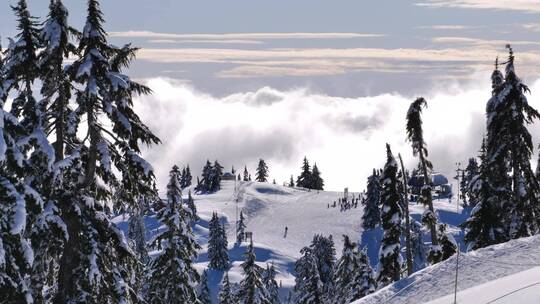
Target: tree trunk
[429, 200]
[59, 145]
[70, 260]
[407, 221]
[92, 150]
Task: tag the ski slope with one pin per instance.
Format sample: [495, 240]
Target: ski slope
[504, 273]
[269, 208]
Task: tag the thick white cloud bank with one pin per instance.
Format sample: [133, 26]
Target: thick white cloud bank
[345, 136]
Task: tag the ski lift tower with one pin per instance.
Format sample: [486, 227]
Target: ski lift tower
[457, 177]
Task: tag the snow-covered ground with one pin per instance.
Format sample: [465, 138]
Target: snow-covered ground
[484, 275]
[268, 209]
[504, 273]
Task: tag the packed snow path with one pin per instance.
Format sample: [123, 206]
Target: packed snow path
[504, 273]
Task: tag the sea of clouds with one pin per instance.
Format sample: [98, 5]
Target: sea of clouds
[346, 137]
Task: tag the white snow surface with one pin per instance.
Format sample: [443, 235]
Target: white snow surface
[484, 275]
[268, 209]
[504, 273]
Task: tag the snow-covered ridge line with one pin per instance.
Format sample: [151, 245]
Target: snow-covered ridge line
[475, 268]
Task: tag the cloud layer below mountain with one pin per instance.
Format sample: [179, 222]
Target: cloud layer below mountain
[345, 136]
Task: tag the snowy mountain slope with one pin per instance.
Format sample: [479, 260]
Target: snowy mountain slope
[493, 274]
[268, 209]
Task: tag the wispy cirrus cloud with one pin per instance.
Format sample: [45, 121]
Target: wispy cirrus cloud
[465, 56]
[532, 6]
[491, 43]
[200, 41]
[448, 27]
[534, 27]
[234, 38]
[228, 55]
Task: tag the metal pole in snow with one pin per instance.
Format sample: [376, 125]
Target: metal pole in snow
[458, 170]
[236, 201]
[455, 281]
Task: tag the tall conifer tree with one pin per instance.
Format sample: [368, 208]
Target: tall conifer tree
[391, 216]
[172, 277]
[252, 289]
[304, 179]
[415, 135]
[217, 245]
[112, 139]
[262, 172]
[225, 295]
[372, 216]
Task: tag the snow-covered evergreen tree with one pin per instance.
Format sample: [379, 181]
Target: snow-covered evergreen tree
[317, 182]
[324, 251]
[304, 179]
[415, 134]
[252, 289]
[204, 290]
[240, 229]
[345, 271]
[137, 231]
[471, 171]
[26, 231]
[217, 174]
[225, 294]
[353, 278]
[246, 174]
[447, 241]
[507, 188]
[192, 208]
[269, 281]
[262, 172]
[291, 182]
[391, 216]
[186, 179]
[56, 36]
[217, 245]
[508, 120]
[308, 288]
[372, 216]
[365, 281]
[172, 278]
[96, 260]
[207, 178]
[16, 255]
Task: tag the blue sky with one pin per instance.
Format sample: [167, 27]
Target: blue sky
[376, 48]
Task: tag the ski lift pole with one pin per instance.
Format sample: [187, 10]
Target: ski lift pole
[456, 279]
[458, 171]
[236, 203]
